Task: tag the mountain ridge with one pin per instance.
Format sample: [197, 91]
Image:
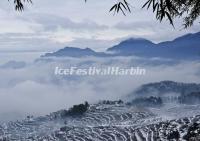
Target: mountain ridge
[183, 47]
[163, 88]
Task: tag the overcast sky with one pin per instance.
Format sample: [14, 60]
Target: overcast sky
[48, 25]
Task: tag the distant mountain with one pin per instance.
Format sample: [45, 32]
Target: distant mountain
[133, 47]
[74, 52]
[164, 88]
[188, 40]
[13, 65]
[187, 46]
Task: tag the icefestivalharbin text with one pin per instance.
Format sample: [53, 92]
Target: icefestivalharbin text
[91, 71]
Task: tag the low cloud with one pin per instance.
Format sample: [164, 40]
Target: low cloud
[36, 90]
[52, 23]
[28, 42]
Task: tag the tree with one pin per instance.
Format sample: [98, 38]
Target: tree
[78, 109]
[19, 4]
[188, 10]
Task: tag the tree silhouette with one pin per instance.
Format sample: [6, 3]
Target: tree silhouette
[188, 10]
[19, 4]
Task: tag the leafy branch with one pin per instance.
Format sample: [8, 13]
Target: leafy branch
[189, 10]
[19, 4]
[167, 9]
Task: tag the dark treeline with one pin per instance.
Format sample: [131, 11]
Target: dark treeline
[189, 98]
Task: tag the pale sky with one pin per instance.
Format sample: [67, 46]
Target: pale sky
[49, 25]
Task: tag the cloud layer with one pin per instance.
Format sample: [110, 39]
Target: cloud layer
[35, 89]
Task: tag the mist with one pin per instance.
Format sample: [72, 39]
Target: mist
[35, 90]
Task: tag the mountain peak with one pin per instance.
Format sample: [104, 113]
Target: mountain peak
[76, 48]
[136, 41]
[72, 52]
[179, 48]
[183, 47]
[75, 52]
[132, 46]
[189, 36]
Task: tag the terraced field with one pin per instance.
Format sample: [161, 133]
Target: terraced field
[102, 122]
[181, 129]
